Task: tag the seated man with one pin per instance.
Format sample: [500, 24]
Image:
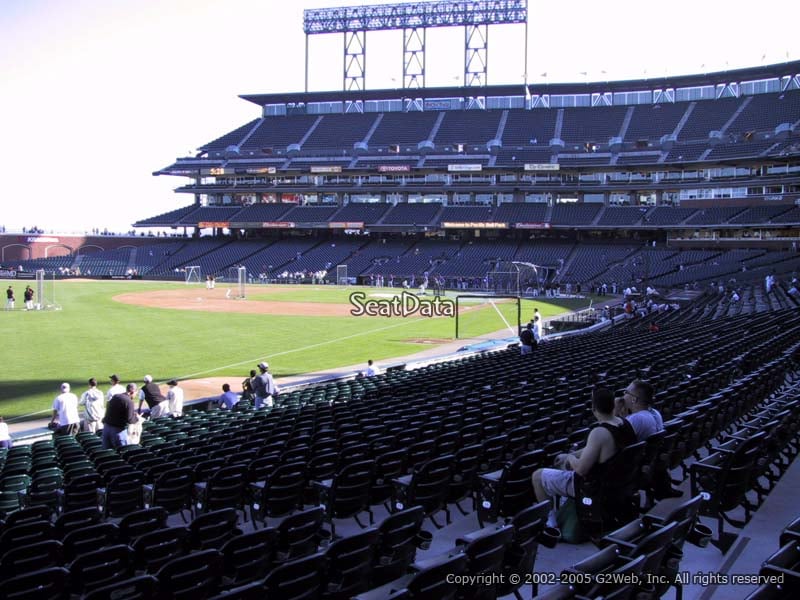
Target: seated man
[608, 437]
[636, 407]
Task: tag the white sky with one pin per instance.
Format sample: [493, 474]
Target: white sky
[95, 95]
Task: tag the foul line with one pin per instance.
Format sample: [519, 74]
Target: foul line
[511, 329]
[317, 345]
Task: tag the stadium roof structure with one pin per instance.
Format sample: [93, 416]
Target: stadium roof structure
[776, 71]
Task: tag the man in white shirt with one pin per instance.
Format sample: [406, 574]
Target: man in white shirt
[372, 370]
[94, 407]
[175, 398]
[5, 437]
[116, 387]
[65, 412]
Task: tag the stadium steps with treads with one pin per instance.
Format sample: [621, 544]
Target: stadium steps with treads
[687, 113]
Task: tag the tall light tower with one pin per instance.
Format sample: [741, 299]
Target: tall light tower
[414, 18]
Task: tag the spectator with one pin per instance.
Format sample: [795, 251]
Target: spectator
[228, 399]
[526, 340]
[372, 370]
[636, 406]
[65, 412]
[604, 441]
[151, 394]
[538, 333]
[264, 387]
[94, 407]
[5, 437]
[175, 398]
[116, 387]
[120, 413]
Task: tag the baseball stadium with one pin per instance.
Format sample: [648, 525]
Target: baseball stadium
[643, 233]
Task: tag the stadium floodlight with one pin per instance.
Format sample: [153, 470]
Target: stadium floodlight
[414, 18]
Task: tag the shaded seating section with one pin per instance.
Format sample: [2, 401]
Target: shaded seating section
[232, 138]
[575, 214]
[471, 128]
[276, 133]
[621, 216]
[412, 214]
[404, 130]
[597, 124]
[515, 212]
[339, 131]
[526, 128]
[650, 122]
[707, 117]
[364, 212]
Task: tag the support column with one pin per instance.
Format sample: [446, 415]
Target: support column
[414, 58]
[355, 60]
[476, 52]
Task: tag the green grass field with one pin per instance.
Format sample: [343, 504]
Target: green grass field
[94, 336]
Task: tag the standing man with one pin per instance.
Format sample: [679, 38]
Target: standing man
[116, 387]
[65, 412]
[264, 387]
[537, 329]
[94, 407]
[28, 297]
[175, 398]
[120, 412]
[156, 401]
[526, 340]
[10, 298]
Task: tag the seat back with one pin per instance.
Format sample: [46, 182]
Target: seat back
[142, 521]
[87, 539]
[196, 575]
[438, 581]
[520, 556]
[44, 584]
[158, 547]
[101, 567]
[142, 587]
[397, 545]
[284, 489]
[249, 556]
[350, 490]
[172, 490]
[299, 579]
[485, 556]
[429, 485]
[297, 534]
[213, 529]
[123, 494]
[226, 488]
[31, 557]
[349, 564]
[515, 489]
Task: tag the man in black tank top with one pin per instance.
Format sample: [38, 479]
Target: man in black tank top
[608, 437]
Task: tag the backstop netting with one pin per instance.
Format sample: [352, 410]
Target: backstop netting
[488, 316]
[45, 298]
[341, 275]
[193, 274]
